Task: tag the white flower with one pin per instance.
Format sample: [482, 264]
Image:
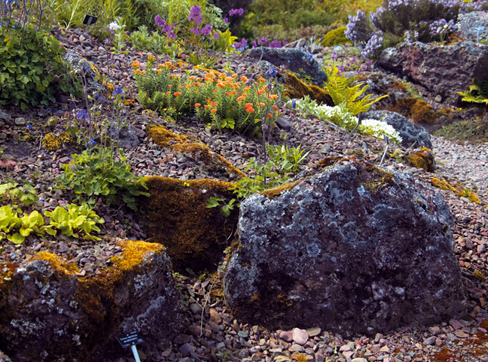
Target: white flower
[114, 26]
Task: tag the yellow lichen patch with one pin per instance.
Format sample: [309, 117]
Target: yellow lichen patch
[6, 271]
[207, 70]
[197, 151]
[57, 263]
[381, 179]
[295, 88]
[277, 191]
[52, 142]
[457, 188]
[177, 217]
[423, 159]
[134, 253]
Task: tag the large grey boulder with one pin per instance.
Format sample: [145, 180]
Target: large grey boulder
[353, 249]
[442, 70]
[411, 134]
[86, 69]
[294, 59]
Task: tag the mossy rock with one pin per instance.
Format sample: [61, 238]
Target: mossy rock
[49, 312]
[423, 159]
[335, 37]
[177, 217]
[295, 88]
[196, 150]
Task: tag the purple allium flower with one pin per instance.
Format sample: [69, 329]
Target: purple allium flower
[195, 14]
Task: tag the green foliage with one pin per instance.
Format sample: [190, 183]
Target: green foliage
[282, 161]
[76, 219]
[335, 37]
[340, 89]
[12, 193]
[477, 93]
[16, 228]
[225, 41]
[95, 172]
[32, 68]
[154, 43]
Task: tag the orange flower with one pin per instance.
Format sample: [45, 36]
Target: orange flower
[137, 71]
[240, 98]
[188, 86]
[181, 87]
[246, 89]
[160, 65]
[233, 92]
[213, 104]
[214, 91]
[135, 64]
[213, 110]
[234, 75]
[159, 70]
[243, 79]
[261, 104]
[169, 85]
[168, 64]
[269, 115]
[273, 96]
[248, 108]
[150, 57]
[260, 92]
[275, 108]
[261, 80]
[177, 94]
[168, 92]
[220, 85]
[197, 105]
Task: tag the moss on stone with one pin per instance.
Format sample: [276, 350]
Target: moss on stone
[177, 217]
[336, 37]
[277, 191]
[423, 159]
[198, 151]
[457, 188]
[58, 264]
[295, 88]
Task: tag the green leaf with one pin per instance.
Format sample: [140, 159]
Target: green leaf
[213, 202]
[16, 238]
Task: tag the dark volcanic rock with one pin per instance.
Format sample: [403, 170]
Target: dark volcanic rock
[47, 313]
[353, 249]
[442, 70]
[411, 134]
[292, 59]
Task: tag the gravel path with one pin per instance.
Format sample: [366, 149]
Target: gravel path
[213, 334]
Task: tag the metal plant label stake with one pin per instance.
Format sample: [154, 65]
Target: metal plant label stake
[89, 20]
[355, 128]
[386, 148]
[130, 340]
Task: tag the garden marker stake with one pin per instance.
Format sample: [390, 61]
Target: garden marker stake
[130, 340]
[355, 128]
[386, 148]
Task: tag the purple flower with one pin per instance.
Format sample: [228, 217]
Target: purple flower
[159, 21]
[272, 71]
[226, 20]
[253, 43]
[117, 90]
[195, 14]
[240, 46]
[294, 104]
[81, 114]
[216, 36]
[275, 44]
[236, 12]
[206, 29]
[263, 40]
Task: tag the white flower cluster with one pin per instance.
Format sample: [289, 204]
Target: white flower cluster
[341, 117]
[114, 26]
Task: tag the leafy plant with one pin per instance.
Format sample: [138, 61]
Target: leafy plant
[341, 91]
[74, 220]
[95, 172]
[154, 43]
[475, 94]
[12, 193]
[32, 68]
[225, 41]
[16, 228]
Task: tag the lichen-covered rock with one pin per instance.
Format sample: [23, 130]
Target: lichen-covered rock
[47, 313]
[353, 249]
[86, 68]
[423, 159]
[177, 216]
[442, 70]
[126, 136]
[295, 88]
[468, 23]
[292, 59]
[411, 134]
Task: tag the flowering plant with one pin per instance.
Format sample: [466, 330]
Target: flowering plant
[219, 100]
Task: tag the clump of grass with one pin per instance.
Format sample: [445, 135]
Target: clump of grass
[474, 131]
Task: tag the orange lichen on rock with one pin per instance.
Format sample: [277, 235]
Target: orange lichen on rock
[295, 88]
[135, 252]
[177, 216]
[197, 150]
[457, 188]
[277, 191]
[423, 159]
[57, 263]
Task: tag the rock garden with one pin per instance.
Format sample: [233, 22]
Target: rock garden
[203, 180]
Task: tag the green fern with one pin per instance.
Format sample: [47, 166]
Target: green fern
[475, 93]
[341, 92]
